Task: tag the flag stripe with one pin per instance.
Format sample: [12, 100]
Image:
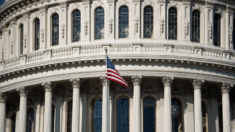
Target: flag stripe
[118, 81]
[117, 77]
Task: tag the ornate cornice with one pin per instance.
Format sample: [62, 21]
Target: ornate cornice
[197, 83]
[22, 91]
[103, 81]
[75, 82]
[3, 98]
[47, 86]
[167, 81]
[225, 88]
[136, 80]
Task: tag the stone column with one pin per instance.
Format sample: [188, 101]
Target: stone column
[48, 106]
[2, 112]
[23, 109]
[76, 104]
[167, 104]
[105, 102]
[26, 35]
[226, 107]
[209, 25]
[197, 105]
[43, 27]
[136, 102]
[228, 30]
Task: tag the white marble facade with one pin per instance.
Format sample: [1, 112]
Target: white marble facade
[60, 82]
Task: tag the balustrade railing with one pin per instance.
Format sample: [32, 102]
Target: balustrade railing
[116, 49]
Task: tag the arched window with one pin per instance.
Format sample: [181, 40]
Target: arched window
[99, 23]
[149, 104]
[21, 38]
[69, 116]
[220, 118]
[234, 34]
[177, 123]
[76, 25]
[204, 117]
[123, 22]
[172, 24]
[96, 119]
[13, 122]
[148, 22]
[53, 118]
[217, 23]
[196, 26]
[30, 120]
[123, 114]
[36, 34]
[55, 29]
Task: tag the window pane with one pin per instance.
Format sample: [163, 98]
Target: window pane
[69, 117]
[172, 24]
[96, 121]
[99, 23]
[55, 29]
[196, 26]
[123, 22]
[13, 122]
[217, 30]
[123, 115]
[204, 117]
[30, 120]
[149, 114]
[148, 22]
[76, 25]
[21, 38]
[176, 115]
[234, 34]
[37, 33]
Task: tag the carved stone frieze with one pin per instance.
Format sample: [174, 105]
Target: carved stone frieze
[86, 27]
[136, 80]
[167, 81]
[42, 35]
[225, 88]
[75, 82]
[63, 26]
[197, 84]
[47, 86]
[148, 2]
[230, 36]
[3, 98]
[162, 25]
[110, 25]
[136, 21]
[187, 28]
[22, 91]
[210, 30]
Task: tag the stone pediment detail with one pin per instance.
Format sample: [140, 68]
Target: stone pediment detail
[148, 2]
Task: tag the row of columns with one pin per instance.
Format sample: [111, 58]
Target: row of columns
[167, 81]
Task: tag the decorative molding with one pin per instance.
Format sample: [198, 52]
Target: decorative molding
[162, 25]
[111, 25]
[22, 91]
[197, 7]
[86, 27]
[197, 84]
[63, 26]
[230, 36]
[148, 3]
[210, 30]
[97, 4]
[225, 88]
[25, 40]
[47, 86]
[172, 4]
[11, 47]
[218, 11]
[136, 80]
[75, 6]
[167, 81]
[42, 35]
[187, 27]
[136, 21]
[122, 3]
[75, 82]
[3, 98]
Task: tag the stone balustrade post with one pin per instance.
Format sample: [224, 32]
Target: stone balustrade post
[2, 112]
[76, 104]
[105, 104]
[48, 106]
[167, 104]
[23, 109]
[226, 107]
[197, 84]
[136, 102]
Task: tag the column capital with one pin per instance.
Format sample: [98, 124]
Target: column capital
[22, 91]
[47, 86]
[225, 88]
[136, 80]
[75, 82]
[197, 83]
[167, 81]
[3, 98]
[103, 81]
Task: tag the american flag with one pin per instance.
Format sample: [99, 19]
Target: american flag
[113, 75]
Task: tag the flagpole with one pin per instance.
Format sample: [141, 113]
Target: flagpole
[107, 93]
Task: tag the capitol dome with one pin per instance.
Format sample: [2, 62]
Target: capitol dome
[177, 56]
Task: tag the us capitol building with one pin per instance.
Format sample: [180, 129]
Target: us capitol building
[178, 57]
